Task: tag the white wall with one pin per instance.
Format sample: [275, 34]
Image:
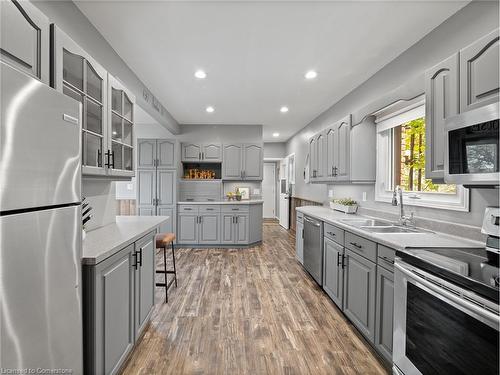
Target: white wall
[101, 197]
[274, 150]
[463, 28]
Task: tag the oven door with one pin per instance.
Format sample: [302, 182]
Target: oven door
[440, 328]
[472, 154]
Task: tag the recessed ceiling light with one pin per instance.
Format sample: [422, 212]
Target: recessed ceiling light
[200, 74]
[276, 134]
[284, 109]
[311, 74]
[210, 109]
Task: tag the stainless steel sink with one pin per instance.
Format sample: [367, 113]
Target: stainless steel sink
[359, 222]
[393, 229]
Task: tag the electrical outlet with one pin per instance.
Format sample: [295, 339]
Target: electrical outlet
[256, 191]
[364, 196]
[330, 193]
[130, 187]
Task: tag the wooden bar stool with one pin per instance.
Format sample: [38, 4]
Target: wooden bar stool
[162, 242]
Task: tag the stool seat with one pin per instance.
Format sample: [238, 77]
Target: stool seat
[164, 239]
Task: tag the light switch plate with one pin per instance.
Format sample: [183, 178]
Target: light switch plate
[364, 196]
[330, 193]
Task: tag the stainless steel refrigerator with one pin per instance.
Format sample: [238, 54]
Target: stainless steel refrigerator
[40, 226]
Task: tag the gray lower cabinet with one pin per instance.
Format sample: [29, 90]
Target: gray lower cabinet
[241, 228]
[359, 293]
[227, 235]
[209, 228]
[333, 273]
[118, 297]
[299, 241]
[187, 228]
[384, 312]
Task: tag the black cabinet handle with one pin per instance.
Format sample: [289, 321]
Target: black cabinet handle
[210, 209]
[112, 159]
[236, 219]
[235, 209]
[355, 244]
[338, 260]
[108, 157]
[343, 261]
[331, 234]
[388, 260]
[140, 257]
[135, 259]
[187, 209]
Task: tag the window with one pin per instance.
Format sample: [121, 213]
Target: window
[401, 162]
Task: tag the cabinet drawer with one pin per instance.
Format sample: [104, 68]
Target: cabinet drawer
[386, 257]
[143, 240]
[209, 208]
[361, 246]
[189, 208]
[235, 208]
[334, 234]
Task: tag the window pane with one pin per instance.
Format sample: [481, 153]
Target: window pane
[93, 146]
[72, 93]
[94, 84]
[127, 132]
[116, 100]
[94, 117]
[73, 69]
[117, 155]
[409, 159]
[127, 158]
[117, 127]
[127, 107]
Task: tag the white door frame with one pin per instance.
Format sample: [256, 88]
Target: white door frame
[284, 197]
[273, 166]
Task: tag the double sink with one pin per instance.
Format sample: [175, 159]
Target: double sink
[381, 226]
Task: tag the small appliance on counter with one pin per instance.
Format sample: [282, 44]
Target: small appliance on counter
[446, 307]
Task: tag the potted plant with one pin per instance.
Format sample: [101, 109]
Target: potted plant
[347, 205]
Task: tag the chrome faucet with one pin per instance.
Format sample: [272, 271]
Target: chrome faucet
[403, 219]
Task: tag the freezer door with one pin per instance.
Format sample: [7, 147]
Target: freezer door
[39, 144]
[40, 278]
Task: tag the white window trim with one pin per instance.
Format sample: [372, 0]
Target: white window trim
[383, 193]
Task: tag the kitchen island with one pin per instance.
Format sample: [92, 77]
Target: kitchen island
[118, 274]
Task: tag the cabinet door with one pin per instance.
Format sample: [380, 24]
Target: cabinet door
[384, 312]
[187, 228]
[77, 75]
[299, 242]
[227, 229]
[312, 159]
[359, 293]
[146, 192]
[330, 138]
[165, 153]
[252, 162]
[24, 38]
[191, 152]
[333, 273]
[479, 76]
[321, 156]
[242, 228]
[212, 152]
[115, 311]
[232, 162]
[209, 228]
[166, 187]
[169, 225]
[441, 102]
[144, 281]
[341, 167]
[146, 153]
[119, 156]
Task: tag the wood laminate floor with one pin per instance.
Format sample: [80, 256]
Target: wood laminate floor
[249, 311]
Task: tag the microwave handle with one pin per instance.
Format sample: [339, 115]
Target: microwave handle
[462, 304]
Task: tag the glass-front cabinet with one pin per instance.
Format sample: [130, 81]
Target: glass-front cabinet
[107, 108]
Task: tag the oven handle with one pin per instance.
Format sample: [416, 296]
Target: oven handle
[462, 303]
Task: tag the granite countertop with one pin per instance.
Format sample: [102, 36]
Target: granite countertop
[101, 243]
[398, 241]
[251, 201]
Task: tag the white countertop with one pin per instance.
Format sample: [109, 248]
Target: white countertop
[251, 201]
[398, 241]
[101, 243]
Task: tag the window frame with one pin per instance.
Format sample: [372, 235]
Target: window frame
[385, 167]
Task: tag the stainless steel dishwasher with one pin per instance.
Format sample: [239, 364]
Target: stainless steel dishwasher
[313, 248]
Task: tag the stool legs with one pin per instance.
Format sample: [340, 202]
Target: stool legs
[173, 261]
[165, 270]
[167, 283]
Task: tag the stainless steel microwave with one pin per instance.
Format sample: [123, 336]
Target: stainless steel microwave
[472, 154]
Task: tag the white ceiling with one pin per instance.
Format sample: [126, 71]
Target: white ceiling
[256, 53]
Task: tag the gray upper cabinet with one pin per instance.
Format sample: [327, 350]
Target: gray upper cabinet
[24, 38]
[479, 73]
[336, 152]
[320, 167]
[333, 273]
[359, 292]
[77, 75]
[146, 153]
[313, 154]
[441, 102]
[120, 149]
[212, 152]
[252, 162]
[144, 281]
[191, 152]
[165, 189]
[384, 312]
[165, 153]
[232, 161]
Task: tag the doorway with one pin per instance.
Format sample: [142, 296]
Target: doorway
[269, 191]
